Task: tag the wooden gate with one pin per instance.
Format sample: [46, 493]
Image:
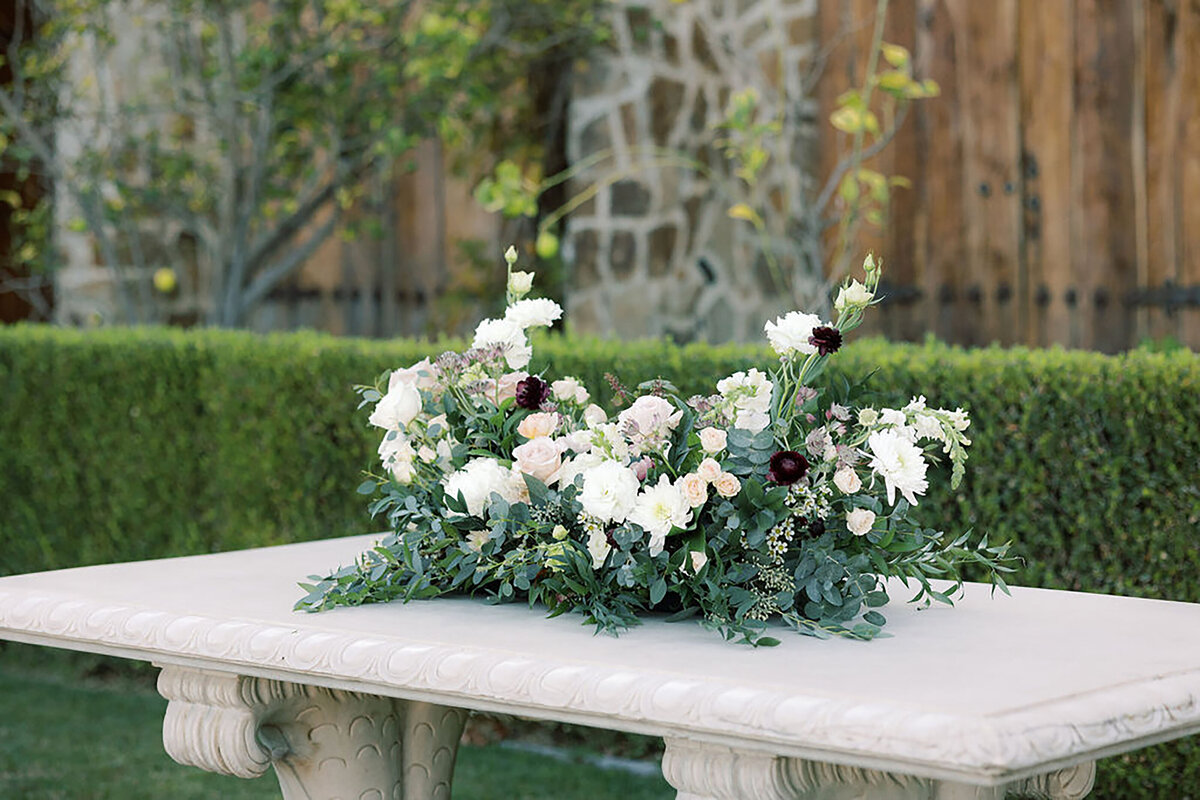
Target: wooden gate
[1055, 182]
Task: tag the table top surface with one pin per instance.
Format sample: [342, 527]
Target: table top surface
[993, 689]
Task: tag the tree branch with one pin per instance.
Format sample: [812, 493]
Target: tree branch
[267, 279]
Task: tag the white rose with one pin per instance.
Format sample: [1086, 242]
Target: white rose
[658, 510]
[650, 416]
[532, 313]
[860, 520]
[540, 424]
[540, 457]
[609, 491]
[594, 415]
[509, 336]
[713, 440]
[727, 485]
[397, 456]
[851, 297]
[847, 480]
[699, 559]
[598, 548]
[519, 283]
[900, 463]
[694, 489]
[397, 408]
[709, 470]
[476, 482]
[789, 334]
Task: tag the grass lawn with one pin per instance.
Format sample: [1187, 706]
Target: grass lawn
[72, 728]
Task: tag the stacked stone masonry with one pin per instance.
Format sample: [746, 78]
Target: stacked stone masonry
[654, 252]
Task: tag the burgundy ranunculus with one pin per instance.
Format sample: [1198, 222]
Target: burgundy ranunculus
[531, 392]
[826, 339]
[787, 467]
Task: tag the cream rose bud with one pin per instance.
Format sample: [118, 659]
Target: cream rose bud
[709, 470]
[594, 415]
[694, 489]
[542, 423]
[713, 440]
[540, 457]
[699, 559]
[852, 296]
[559, 533]
[847, 480]
[569, 390]
[860, 520]
[727, 485]
[519, 283]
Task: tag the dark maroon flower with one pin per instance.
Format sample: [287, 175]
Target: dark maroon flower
[787, 467]
[816, 528]
[826, 339]
[531, 392]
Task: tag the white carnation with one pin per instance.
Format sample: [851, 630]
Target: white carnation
[609, 491]
[476, 482]
[509, 336]
[531, 313]
[900, 463]
[789, 334]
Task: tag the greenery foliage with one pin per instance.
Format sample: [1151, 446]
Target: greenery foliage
[127, 444]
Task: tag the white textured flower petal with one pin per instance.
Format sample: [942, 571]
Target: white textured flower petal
[532, 313]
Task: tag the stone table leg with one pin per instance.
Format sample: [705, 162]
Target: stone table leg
[323, 743]
[701, 771]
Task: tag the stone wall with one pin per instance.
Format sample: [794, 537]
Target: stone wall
[654, 251]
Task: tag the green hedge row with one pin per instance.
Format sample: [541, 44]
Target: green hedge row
[131, 444]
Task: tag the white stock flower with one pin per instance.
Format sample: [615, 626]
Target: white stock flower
[398, 407]
[397, 454]
[789, 334]
[694, 489]
[476, 482]
[658, 510]
[713, 440]
[750, 395]
[928, 426]
[609, 491]
[853, 296]
[519, 283]
[598, 547]
[508, 335]
[891, 416]
[847, 480]
[860, 520]
[533, 313]
[900, 463]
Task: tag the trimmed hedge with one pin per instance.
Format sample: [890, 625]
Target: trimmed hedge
[131, 444]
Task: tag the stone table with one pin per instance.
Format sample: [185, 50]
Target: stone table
[993, 695]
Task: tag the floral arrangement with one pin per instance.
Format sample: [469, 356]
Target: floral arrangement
[770, 500]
